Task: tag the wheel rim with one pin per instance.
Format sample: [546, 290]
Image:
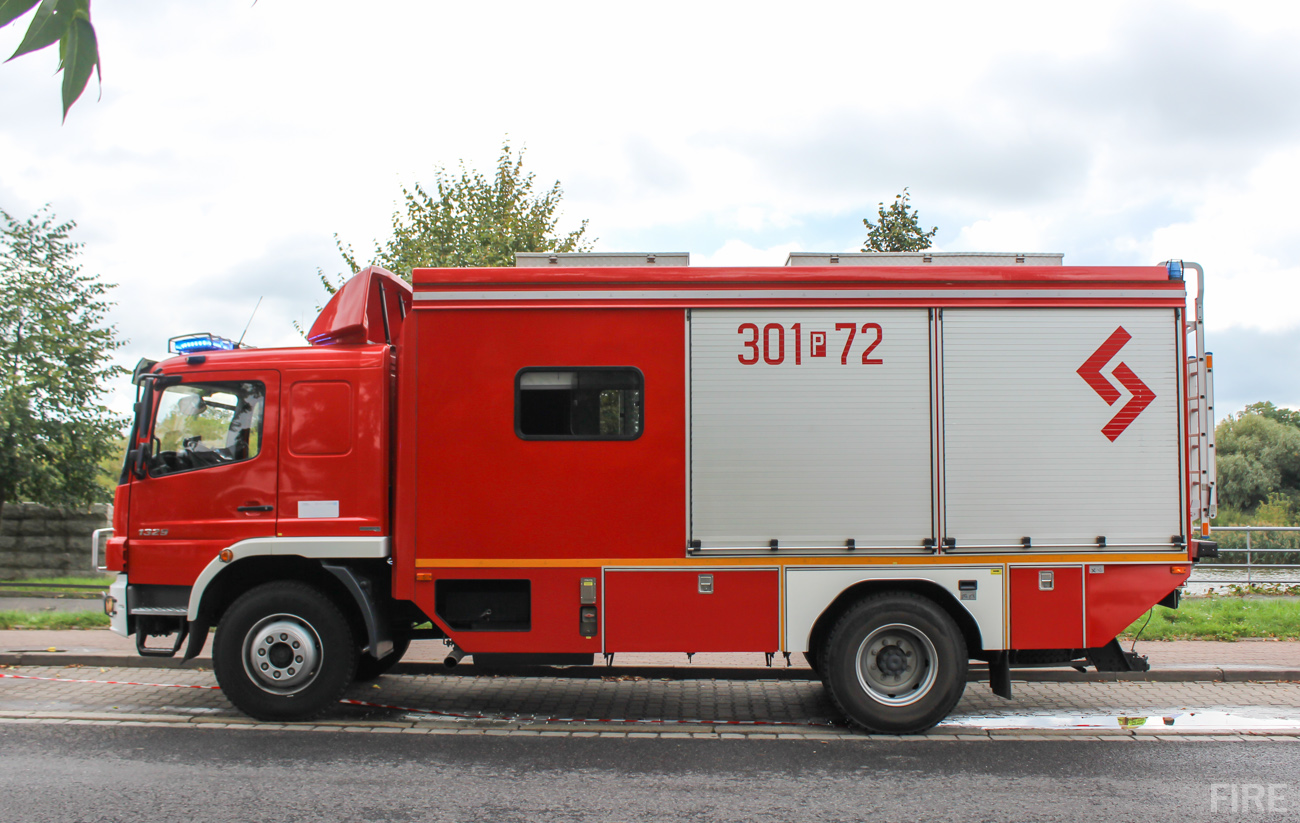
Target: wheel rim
[282, 654]
[896, 664]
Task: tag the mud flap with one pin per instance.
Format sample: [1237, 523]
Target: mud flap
[198, 637]
[379, 642]
[1000, 674]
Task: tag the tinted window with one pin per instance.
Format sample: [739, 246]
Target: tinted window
[579, 404]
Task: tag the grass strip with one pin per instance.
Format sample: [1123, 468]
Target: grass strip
[85, 580]
[25, 585]
[1221, 618]
[52, 620]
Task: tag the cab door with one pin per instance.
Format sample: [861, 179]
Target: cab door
[210, 475]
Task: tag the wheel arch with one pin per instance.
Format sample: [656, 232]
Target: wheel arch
[925, 588]
[258, 560]
[247, 573]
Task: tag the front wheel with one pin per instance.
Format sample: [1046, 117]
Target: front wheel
[895, 664]
[284, 651]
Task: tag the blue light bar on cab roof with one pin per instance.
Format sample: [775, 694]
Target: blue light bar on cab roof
[195, 343]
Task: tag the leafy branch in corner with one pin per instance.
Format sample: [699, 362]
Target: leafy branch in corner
[66, 22]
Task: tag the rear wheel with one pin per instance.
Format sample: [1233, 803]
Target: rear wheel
[895, 664]
[284, 651]
[368, 668]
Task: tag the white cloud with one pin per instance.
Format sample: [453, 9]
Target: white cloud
[1009, 231]
[739, 253]
[233, 141]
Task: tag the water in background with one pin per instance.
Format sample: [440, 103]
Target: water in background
[1203, 580]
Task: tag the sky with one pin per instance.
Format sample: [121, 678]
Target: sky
[231, 141]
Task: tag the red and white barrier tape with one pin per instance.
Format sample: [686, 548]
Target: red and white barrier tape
[108, 682]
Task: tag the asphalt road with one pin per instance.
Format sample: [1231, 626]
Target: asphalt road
[95, 773]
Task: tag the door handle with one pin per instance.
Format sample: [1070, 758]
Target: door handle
[255, 508]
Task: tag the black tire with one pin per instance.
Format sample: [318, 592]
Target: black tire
[895, 664]
[284, 652]
[368, 668]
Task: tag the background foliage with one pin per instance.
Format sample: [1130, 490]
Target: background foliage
[1259, 465]
[1259, 480]
[470, 220]
[897, 228]
[54, 360]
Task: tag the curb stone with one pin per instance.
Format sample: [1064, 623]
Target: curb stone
[732, 733]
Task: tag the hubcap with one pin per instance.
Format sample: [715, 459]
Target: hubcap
[896, 664]
[282, 654]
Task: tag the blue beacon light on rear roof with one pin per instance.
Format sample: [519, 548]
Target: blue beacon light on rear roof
[195, 343]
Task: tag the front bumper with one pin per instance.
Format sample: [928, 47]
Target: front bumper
[115, 607]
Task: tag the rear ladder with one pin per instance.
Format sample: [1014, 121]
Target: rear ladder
[1204, 501]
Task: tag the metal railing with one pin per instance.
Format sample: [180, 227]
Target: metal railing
[1251, 567]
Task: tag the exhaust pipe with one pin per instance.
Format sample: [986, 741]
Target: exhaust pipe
[453, 657]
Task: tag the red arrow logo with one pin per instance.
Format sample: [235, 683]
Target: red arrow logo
[1090, 371]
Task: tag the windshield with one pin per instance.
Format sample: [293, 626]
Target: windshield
[206, 424]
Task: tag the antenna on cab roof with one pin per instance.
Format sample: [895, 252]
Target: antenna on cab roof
[240, 342]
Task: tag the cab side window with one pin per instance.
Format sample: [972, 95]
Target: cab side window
[198, 425]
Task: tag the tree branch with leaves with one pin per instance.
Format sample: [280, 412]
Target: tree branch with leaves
[470, 220]
[897, 228]
[66, 22]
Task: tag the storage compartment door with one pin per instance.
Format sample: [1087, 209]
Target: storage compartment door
[1035, 448]
[701, 610]
[1047, 608]
[810, 427]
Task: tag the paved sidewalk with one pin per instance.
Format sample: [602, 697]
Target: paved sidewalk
[623, 706]
[1170, 660]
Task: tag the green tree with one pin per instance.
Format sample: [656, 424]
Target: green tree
[54, 359]
[1290, 417]
[471, 220]
[66, 22]
[898, 228]
[1258, 457]
[110, 465]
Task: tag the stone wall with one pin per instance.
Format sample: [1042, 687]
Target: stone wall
[36, 541]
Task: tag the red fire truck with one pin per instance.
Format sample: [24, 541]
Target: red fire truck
[891, 464]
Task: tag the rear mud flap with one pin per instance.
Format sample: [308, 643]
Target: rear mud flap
[1000, 674]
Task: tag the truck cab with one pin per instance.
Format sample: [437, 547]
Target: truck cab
[249, 465]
